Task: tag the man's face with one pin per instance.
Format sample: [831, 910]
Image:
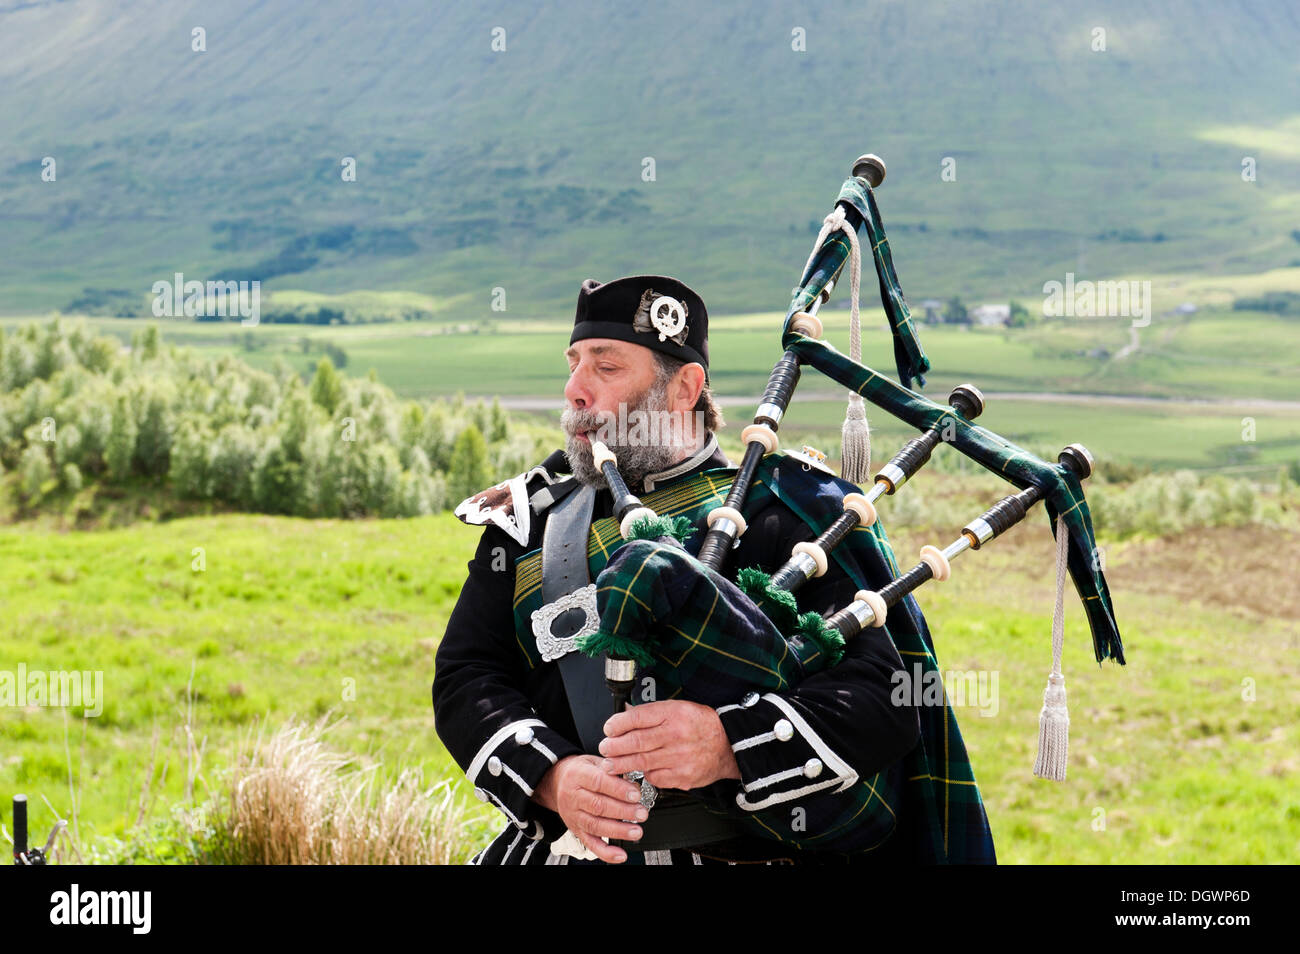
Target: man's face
[608, 381]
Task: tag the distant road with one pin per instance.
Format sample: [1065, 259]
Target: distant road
[523, 403]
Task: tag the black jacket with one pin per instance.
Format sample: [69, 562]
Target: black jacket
[506, 724]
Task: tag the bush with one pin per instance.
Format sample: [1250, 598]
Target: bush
[188, 468]
[35, 471]
[218, 429]
[469, 468]
[1168, 503]
[231, 462]
[71, 477]
[277, 481]
[121, 441]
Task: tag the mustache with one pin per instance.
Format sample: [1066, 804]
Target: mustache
[575, 421]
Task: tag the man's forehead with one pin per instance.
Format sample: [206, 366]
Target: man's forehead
[604, 346]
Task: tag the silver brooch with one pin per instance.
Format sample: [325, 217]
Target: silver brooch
[552, 647]
[663, 314]
[668, 315]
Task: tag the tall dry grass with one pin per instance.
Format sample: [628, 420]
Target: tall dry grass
[294, 801]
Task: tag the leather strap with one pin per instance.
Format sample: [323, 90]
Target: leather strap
[564, 569]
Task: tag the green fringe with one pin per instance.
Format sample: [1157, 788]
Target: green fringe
[779, 605]
[652, 528]
[813, 626]
[601, 643]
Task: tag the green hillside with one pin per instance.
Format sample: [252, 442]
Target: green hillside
[522, 168]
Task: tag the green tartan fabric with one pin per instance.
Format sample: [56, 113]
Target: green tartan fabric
[933, 789]
[662, 607]
[1062, 492]
[860, 207]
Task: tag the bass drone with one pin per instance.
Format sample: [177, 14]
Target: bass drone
[763, 642]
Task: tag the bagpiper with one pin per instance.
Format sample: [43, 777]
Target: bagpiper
[829, 765]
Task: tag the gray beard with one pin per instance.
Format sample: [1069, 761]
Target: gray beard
[635, 462]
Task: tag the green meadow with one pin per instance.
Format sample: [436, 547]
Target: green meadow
[208, 627]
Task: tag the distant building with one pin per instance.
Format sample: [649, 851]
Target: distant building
[990, 315]
[932, 308]
[1186, 308]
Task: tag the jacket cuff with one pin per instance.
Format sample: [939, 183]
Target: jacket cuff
[508, 767]
[780, 756]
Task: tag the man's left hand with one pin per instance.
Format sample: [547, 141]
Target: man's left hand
[676, 744]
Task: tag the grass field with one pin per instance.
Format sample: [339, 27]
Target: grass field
[285, 612]
[285, 618]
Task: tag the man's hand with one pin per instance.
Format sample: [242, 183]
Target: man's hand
[593, 803]
[676, 744]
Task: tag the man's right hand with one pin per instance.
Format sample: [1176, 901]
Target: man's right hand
[593, 803]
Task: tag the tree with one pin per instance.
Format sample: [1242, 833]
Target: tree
[153, 442]
[121, 440]
[230, 466]
[188, 467]
[326, 388]
[277, 480]
[1020, 316]
[955, 312]
[469, 470]
[35, 470]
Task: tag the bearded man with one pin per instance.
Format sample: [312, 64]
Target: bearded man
[530, 720]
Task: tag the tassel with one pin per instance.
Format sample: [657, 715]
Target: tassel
[855, 454]
[1054, 718]
[1053, 731]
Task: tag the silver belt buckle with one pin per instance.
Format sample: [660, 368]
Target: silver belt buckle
[552, 647]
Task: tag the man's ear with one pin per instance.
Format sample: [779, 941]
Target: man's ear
[689, 384]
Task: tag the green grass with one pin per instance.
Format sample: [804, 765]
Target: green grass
[286, 618]
[1183, 768]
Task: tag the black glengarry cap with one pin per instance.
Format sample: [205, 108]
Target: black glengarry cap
[655, 311]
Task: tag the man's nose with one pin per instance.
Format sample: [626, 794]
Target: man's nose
[576, 391]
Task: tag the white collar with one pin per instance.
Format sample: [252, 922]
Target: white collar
[690, 463]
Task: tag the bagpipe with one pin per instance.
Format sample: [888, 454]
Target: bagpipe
[653, 592]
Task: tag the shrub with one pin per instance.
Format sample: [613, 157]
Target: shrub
[35, 471]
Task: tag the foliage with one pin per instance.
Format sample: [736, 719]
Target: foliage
[1280, 302]
[77, 410]
[1160, 504]
[954, 313]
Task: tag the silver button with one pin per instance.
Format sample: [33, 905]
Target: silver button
[494, 765]
[751, 699]
[812, 768]
[480, 794]
[524, 736]
[783, 730]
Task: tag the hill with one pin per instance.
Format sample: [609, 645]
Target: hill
[524, 167]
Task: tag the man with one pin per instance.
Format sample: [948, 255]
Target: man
[523, 716]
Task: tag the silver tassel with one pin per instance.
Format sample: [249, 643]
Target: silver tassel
[1054, 718]
[855, 455]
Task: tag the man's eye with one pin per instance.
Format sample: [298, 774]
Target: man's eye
[606, 368]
